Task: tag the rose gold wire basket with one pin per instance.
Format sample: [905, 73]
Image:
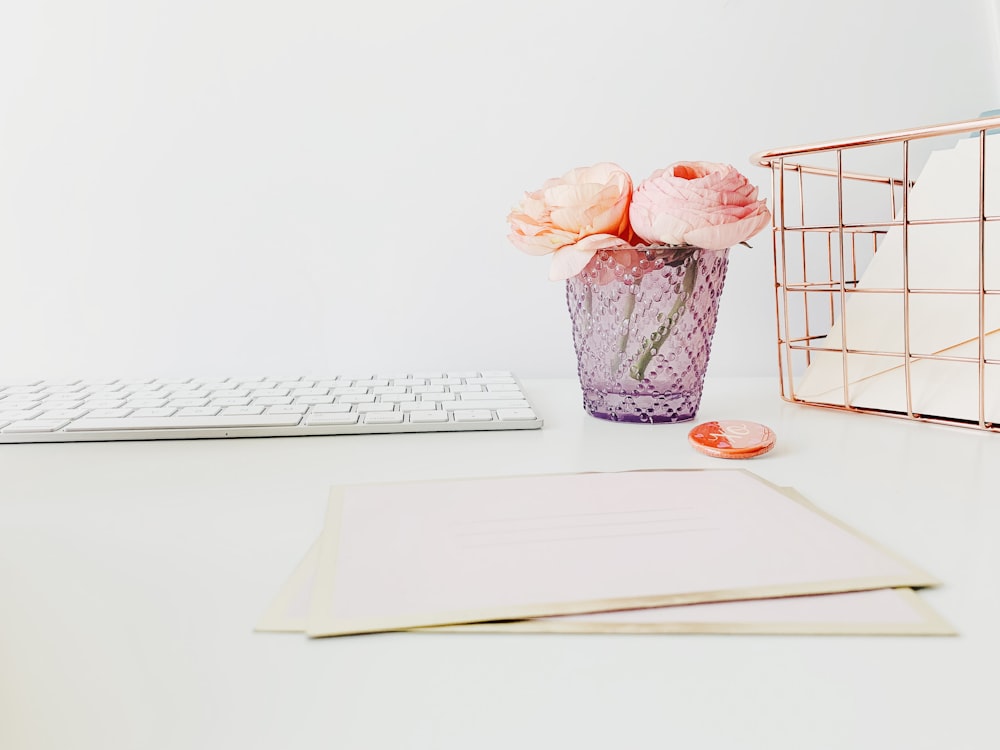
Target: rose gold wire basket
[887, 273]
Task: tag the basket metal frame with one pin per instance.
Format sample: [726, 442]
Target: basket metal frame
[795, 291]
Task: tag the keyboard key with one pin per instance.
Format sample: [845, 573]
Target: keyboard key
[9, 397]
[474, 415]
[230, 393]
[330, 409]
[178, 402]
[370, 408]
[427, 389]
[190, 423]
[437, 397]
[22, 389]
[297, 385]
[210, 386]
[516, 415]
[475, 405]
[13, 415]
[68, 388]
[104, 403]
[398, 398]
[230, 401]
[366, 383]
[272, 401]
[311, 400]
[300, 392]
[349, 391]
[102, 413]
[465, 388]
[9, 406]
[387, 390]
[293, 409]
[331, 419]
[177, 389]
[193, 411]
[384, 417]
[107, 393]
[36, 425]
[155, 411]
[59, 403]
[64, 413]
[146, 394]
[143, 403]
[366, 398]
[419, 406]
[427, 417]
[243, 410]
[488, 396]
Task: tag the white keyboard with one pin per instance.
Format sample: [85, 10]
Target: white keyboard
[184, 408]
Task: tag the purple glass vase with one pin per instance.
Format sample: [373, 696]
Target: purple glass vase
[643, 319]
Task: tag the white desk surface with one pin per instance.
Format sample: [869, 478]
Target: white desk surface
[131, 575]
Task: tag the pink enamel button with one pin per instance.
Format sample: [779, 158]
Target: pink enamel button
[732, 438]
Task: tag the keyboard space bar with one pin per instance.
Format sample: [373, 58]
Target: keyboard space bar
[180, 423]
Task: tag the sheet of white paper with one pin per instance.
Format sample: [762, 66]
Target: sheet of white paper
[878, 612]
[433, 553]
[940, 256]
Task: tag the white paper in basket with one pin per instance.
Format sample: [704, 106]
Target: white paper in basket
[941, 256]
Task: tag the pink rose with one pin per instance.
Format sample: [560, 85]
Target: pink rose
[574, 216]
[697, 203]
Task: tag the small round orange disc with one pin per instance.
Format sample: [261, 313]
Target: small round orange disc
[732, 438]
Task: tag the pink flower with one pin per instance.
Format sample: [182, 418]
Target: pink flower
[574, 216]
[697, 203]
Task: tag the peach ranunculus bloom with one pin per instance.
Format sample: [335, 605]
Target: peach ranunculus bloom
[573, 217]
[697, 203]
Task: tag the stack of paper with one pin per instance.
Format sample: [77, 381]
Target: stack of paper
[644, 551]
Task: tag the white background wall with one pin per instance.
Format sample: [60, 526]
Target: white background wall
[231, 186]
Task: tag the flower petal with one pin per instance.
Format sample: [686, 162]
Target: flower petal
[727, 235]
[570, 260]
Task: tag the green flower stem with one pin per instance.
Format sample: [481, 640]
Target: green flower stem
[656, 339]
[623, 338]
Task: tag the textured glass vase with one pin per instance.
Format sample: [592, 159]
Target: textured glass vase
[643, 320]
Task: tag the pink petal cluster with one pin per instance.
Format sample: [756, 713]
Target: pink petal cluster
[574, 216]
[697, 203]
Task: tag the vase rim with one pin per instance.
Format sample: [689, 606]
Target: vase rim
[664, 247]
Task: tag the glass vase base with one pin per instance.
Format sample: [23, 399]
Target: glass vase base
[638, 407]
